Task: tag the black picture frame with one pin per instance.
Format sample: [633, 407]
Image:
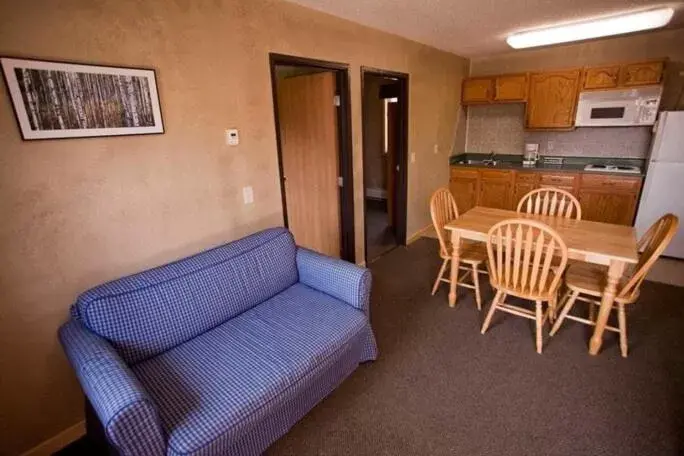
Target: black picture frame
[89, 95]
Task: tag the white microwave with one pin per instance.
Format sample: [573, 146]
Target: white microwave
[618, 108]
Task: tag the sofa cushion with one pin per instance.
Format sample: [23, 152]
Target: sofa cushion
[223, 382]
[147, 313]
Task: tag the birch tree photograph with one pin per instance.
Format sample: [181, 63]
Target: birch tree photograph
[58, 100]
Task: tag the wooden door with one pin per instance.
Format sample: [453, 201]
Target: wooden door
[644, 73]
[391, 163]
[552, 99]
[511, 87]
[463, 184]
[605, 77]
[477, 90]
[495, 189]
[307, 118]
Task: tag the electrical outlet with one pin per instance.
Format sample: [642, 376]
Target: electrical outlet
[247, 195]
[436, 149]
[550, 145]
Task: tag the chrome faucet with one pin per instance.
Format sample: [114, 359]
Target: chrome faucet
[491, 161]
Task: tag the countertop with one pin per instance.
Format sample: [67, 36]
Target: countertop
[570, 164]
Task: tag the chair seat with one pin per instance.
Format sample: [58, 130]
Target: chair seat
[472, 252]
[590, 279]
[215, 387]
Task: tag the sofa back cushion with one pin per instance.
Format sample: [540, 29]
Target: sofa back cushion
[150, 312]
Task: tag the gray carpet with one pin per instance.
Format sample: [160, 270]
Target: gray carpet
[441, 388]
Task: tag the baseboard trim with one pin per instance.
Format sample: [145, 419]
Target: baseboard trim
[418, 234]
[59, 441]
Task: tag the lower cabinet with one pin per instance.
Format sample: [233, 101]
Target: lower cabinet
[599, 206]
[463, 184]
[604, 198]
[495, 189]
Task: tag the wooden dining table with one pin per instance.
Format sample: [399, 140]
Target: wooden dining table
[614, 246]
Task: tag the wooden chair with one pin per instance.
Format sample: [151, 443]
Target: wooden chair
[588, 279]
[551, 201]
[442, 210]
[520, 255]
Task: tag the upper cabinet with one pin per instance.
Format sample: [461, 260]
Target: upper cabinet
[644, 73]
[605, 77]
[477, 90]
[551, 96]
[510, 87]
[622, 76]
[497, 89]
[552, 99]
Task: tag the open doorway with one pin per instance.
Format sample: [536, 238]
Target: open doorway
[312, 117]
[385, 140]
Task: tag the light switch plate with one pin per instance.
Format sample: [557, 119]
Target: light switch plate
[248, 195]
[232, 137]
[413, 157]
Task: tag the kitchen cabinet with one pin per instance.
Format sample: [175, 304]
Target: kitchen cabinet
[604, 197]
[605, 77]
[477, 90]
[463, 184]
[525, 182]
[552, 99]
[644, 73]
[563, 181]
[609, 198]
[510, 88]
[495, 188]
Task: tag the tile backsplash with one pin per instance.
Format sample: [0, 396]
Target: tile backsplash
[613, 142]
[500, 128]
[497, 128]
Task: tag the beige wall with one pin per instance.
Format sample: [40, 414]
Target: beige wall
[507, 120]
[79, 212]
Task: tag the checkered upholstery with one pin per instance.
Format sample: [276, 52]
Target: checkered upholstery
[130, 417]
[222, 352]
[338, 278]
[221, 385]
[147, 313]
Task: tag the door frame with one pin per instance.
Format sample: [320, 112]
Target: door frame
[401, 183]
[344, 137]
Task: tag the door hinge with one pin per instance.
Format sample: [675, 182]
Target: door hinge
[340, 181]
[336, 100]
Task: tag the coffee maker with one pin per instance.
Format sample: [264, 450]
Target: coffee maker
[531, 154]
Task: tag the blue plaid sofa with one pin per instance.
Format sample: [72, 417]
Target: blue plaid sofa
[222, 352]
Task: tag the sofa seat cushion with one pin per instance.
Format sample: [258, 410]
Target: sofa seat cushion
[220, 383]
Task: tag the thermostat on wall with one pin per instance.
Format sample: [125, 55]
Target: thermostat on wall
[232, 137]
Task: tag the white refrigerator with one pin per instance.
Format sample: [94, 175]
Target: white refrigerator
[664, 186]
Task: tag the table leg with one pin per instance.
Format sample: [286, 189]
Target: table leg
[453, 276]
[615, 270]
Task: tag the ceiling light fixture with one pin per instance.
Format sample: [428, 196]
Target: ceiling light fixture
[595, 28]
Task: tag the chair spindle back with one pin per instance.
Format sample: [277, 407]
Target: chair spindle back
[551, 201]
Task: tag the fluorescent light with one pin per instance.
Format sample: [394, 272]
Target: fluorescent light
[596, 28]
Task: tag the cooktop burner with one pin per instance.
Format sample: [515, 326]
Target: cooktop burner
[613, 168]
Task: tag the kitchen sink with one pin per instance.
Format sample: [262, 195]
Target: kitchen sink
[480, 162]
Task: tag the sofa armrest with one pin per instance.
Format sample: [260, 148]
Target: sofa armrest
[338, 278]
[127, 413]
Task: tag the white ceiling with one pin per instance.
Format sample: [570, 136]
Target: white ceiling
[472, 27]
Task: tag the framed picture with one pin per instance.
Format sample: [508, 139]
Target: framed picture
[69, 100]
